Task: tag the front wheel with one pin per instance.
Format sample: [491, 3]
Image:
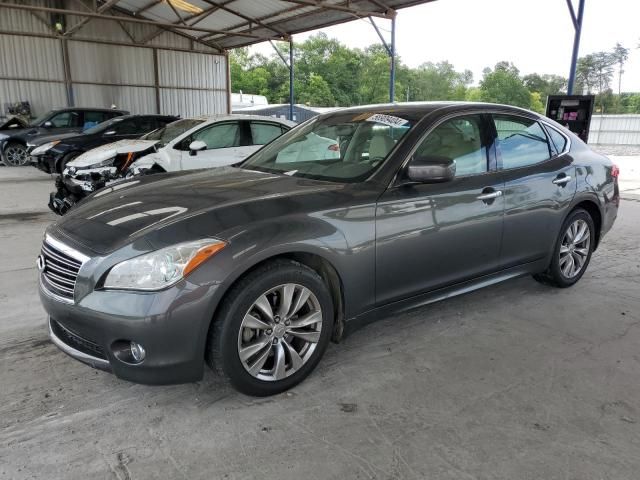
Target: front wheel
[62, 164]
[15, 155]
[572, 251]
[272, 329]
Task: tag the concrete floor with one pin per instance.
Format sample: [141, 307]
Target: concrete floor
[516, 381]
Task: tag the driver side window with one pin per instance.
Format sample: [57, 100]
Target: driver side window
[66, 120]
[225, 135]
[459, 139]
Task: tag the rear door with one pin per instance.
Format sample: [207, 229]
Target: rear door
[262, 133]
[433, 235]
[539, 184]
[224, 142]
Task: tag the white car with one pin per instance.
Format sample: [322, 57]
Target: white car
[191, 143]
[186, 144]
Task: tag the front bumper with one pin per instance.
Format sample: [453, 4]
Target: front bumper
[46, 163]
[171, 325]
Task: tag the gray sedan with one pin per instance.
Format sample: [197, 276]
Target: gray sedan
[350, 216]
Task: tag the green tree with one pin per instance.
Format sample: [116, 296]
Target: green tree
[315, 91]
[620, 56]
[545, 85]
[438, 82]
[504, 85]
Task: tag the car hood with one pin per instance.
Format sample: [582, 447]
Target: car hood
[195, 204]
[42, 139]
[110, 150]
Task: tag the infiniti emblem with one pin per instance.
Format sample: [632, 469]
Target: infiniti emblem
[40, 263]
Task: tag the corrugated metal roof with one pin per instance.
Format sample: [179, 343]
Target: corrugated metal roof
[227, 24]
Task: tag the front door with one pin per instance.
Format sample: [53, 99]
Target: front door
[433, 235]
[225, 146]
[540, 182]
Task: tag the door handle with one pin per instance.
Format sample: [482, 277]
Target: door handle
[490, 195]
[562, 180]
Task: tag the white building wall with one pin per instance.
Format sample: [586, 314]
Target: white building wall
[615, 130]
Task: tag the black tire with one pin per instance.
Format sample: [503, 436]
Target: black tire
[223, 343]
[554, 275]
[15, 155]
[62, 164]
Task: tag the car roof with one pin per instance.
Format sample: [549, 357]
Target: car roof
[418, 110]
[137, 115]
[93, 109]
[234, 116]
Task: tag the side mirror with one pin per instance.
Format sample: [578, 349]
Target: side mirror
[47, 124]
[110, 132]
[431, 169]
[196, 146]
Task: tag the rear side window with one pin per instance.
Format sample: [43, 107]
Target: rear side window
[225, 135]
[263, 133]
[459, 139]
[126, 127]
[559, 140]
[521, 141]
[145, 124]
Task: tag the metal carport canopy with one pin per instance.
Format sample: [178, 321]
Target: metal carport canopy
[227, 24]
[239, 23]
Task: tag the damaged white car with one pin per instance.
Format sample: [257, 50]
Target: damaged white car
[187, 144]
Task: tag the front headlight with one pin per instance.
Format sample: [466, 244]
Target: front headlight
[104, 163]
[162, 268]
[45, 147]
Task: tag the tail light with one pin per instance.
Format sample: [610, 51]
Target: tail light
[334, 148]
[615, 171]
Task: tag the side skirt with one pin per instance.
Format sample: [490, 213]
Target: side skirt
[418, 301]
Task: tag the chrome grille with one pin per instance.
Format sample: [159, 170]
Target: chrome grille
[59, 269]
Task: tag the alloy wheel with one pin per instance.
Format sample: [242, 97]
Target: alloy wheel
[280, 332]
[15, 155]
[574, 249]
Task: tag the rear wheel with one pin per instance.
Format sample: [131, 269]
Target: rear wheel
[272, 329]
[15, 155]
[572, 252]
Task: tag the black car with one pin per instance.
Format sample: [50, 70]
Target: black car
[15, 135]
[254, 269]
[51, 153]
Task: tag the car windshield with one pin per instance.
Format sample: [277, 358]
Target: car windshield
[102, 126]
[41, 119]
[345, 147]
[171, 131]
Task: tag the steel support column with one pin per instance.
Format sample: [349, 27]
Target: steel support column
[391, 51]
[392, 76]
[291, 89]
[577, 25]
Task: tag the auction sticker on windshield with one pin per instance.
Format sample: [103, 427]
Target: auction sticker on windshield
[387, 120]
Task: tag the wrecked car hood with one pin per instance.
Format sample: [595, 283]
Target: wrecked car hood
[110, 150]
[200, 203]
[14, 123]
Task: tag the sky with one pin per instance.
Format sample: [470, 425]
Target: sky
[536, 35]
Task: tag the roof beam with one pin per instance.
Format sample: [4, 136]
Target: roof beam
[298, 5]
[245, 17]
[339, 8]
[143, 21]
[105, 6]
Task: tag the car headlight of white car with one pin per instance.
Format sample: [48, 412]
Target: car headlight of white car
[162, 268]
[44, 147]
[104, 163]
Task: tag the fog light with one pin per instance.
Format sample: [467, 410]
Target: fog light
[137, 352]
